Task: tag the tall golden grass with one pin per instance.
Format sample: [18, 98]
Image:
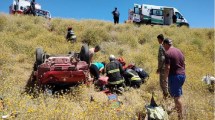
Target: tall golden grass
[21, 35]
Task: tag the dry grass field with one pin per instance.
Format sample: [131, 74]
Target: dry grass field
[21, 35]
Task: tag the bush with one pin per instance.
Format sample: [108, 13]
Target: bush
[3, 22]
[95, 36]
[210, 34]
[136, 44]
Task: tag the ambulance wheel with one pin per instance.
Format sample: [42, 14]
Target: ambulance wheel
[84, 54]
[148, 22]
[184, 24]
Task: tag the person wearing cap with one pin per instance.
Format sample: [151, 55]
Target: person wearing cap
[70, 35]
[92, 51]
[175, 72]
[114, 72]
[161, 66]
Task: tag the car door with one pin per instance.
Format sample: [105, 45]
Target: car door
[157, 16]
[136, 15]
[180, 18]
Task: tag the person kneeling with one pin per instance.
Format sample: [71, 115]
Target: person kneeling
[114, 72]
[132, 78]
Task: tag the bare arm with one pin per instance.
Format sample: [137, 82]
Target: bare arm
[167, 68]
[101, 70]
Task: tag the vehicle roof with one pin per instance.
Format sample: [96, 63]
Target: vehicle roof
[155, 6]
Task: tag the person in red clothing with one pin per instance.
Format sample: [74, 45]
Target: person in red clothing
[175, 71]
[123, 63]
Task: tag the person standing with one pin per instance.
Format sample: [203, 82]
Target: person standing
[116, 16]
[174, 19]
[161, 66]
[32, 7]
[175, 71]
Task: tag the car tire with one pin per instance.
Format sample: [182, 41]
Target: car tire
[39, 56]
[84, 54]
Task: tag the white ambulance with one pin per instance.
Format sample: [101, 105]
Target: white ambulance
[151, 14]
[20, 6]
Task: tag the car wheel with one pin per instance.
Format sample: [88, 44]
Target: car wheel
[39, 56]
[84, 54]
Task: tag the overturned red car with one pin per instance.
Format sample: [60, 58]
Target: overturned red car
[71, 68]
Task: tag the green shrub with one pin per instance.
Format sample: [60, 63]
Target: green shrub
[3, 22]
[128, 38]
[210, 34]
[197, 42]
[95, 36]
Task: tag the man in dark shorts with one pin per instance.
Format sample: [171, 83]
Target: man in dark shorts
[175, 71]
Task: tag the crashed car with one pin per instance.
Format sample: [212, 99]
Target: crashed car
[71, 68]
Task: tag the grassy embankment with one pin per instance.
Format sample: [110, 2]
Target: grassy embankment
[20, 35]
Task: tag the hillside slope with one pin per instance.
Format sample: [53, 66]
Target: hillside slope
[21, 35]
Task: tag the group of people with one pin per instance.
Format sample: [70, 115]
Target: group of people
[119, 75]
[171, 68]
[31, 9]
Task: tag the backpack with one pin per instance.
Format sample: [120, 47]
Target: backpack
[156, 112]
[116, 13]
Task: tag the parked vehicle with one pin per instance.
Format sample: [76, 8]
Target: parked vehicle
[23, 7]
[152, 14]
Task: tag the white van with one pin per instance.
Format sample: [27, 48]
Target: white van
[151, 14]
